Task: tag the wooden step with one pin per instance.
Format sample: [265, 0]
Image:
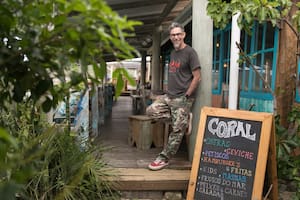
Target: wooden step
[133, 179]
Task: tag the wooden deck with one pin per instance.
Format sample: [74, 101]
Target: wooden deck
[130, 163]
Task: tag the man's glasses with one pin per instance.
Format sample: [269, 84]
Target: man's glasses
[176, 34]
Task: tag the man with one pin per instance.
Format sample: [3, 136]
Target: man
[184, 77]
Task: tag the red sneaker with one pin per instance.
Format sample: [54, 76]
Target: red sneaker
[158, 164]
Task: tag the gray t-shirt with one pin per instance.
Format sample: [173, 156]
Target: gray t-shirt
[182, 63]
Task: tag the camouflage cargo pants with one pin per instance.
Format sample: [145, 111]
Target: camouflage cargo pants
[177, 111]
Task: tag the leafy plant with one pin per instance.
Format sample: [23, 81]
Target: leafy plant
[48, 163]
[68, 172]
[122, 74]
[250, 11]
[288, 156]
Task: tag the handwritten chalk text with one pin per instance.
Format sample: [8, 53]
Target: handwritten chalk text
[230, 129]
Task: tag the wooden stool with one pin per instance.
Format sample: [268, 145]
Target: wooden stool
[144, 132]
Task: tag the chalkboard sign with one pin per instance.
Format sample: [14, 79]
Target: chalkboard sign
[230, 155]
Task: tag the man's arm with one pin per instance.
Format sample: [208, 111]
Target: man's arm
[195, 81]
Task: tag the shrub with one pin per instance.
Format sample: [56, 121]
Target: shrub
[288, 157]
[38, 161]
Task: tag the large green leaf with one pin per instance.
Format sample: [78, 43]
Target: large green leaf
[7, 138]
[119, 85]
[6, 20]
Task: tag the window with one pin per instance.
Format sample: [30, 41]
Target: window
[261, 47]
[221, 59]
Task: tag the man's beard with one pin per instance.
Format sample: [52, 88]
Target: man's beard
[176, 45]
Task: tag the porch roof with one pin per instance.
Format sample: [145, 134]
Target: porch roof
[153, 13]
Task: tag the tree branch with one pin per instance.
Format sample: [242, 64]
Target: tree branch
[248, 61]
[291, 26]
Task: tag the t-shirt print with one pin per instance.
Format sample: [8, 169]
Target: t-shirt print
[174, 66]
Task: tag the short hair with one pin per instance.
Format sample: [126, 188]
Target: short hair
[176, 25]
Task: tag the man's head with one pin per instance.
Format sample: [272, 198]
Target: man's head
[177, 35]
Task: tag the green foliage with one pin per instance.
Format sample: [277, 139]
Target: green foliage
[47, 162]
[8, 186]
[294, 117]
[17, 154]
[68, 172]
[288, 143]
[121, 74]
[41, 40]
[220, 12]
[250, 11]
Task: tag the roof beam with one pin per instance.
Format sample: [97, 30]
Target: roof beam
[120, 5]
[166, 11]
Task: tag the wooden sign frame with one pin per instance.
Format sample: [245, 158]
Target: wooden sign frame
[267, 130]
